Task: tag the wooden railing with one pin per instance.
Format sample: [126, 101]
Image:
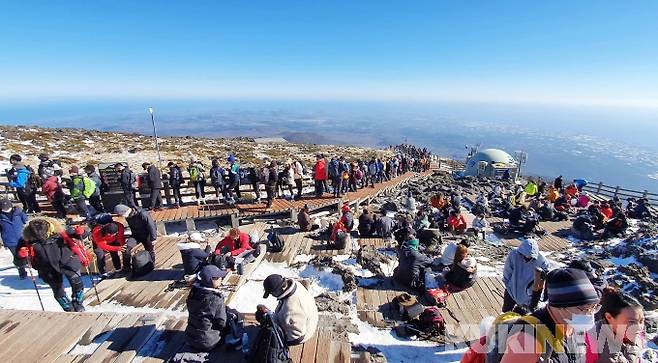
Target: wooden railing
[617, 191]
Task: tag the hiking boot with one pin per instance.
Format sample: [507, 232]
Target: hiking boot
[22, 273]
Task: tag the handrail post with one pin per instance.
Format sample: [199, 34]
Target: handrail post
[598, 189]
[616, 191]
[644, 195]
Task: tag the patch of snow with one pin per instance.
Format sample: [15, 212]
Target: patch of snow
[115, 307]
[249, 296]
[619, 261]
[303, 258]
[323, 279]
[89, 349]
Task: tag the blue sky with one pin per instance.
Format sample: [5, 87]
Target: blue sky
[565, 52]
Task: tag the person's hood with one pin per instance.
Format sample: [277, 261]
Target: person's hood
[20, 167]
[529, 248]
[182, 246]
[208, 289]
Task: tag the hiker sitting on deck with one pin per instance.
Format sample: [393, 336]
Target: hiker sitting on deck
[463, 271]
[304, 220]
[456, 222]
[616, 226]
[192, 255]
[366, 224]
[206, 310]
[412, 266]
[235, 243]
[296, 312]
[523, 277]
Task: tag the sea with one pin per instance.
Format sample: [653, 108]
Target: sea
[616, 146]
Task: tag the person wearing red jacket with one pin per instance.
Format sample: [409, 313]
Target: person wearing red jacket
[606, 210]
[456, 222]
[52, 189]
[234, 244]
[320, 175]
[109, 238]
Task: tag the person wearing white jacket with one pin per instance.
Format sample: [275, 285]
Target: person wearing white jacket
[296, 313]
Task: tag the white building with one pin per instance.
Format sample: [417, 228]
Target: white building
[491, 163]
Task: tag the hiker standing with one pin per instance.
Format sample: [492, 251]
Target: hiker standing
[44, 244]
[320, 175]
[12, 221]
[128, 181]
[95, 199]
[256, 179]
[298, 175]
[142, 229]
[217, 180]
[21, 178]
[334, 174]
[372, 172]
[523, 277]
[554, 333]
[296, 312]
[154, 181]
[52, 189]
[196, 170]
[175, 181]
[82, 188]
[270, 184]
[233, 178]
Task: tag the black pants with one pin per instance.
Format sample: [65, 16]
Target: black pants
[352, 185]
[256, 187]
[96, 202]
[319, 188]
[20, 263]
[220, 190]
[129, 198]
[57, 285]
[156, 198]
[83, 209]
[298, 184]
[199, 187]
[58, 204]
[29, 200]
[337, 183]
[233, 187]
[116, 260]
[510, 305]
[269, 189]
[176, 191]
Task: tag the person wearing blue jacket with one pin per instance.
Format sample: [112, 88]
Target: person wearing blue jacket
[523, 276]
[19, 178]
[12, 221]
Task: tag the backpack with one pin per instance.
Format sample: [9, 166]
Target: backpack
[34, 181]
[269, 346]
[142, 263]
[88, 187]
[195, 174]
[431, 321]
[264, 175]
[217, 176]
[176, 177]
[134, 185]
[358, 174]
[276, 243]
[478, 352]
[102, 219]
[439, 296]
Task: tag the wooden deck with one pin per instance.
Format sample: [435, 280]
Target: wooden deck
[150, 290]
[35, 336]
[554, 240]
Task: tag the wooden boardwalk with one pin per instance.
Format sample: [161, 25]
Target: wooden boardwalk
[554, 240]
[35, 336]
[150, 290]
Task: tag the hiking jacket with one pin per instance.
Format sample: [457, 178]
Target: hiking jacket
[298, 170]
[97, 181]
[519, 275]
[21, 177]
[175, 176]
[154, 177]
[192, 255]
[297, 314]
[11, 226]
[384, 227]
[334, 169]
[411, 263]
[372, 168]
[234, 173]
[462, 275]
[206, 317]
[53, 257]
[142, 226]
[235, 247]
[320, 170]
[217, 176]
[531, 189]
[126, 180]
[457, 222]
[109, 243]
[51, 188]
[273, 177]
[612, 351]
[366, 224]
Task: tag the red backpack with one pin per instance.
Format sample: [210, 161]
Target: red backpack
[431, 321]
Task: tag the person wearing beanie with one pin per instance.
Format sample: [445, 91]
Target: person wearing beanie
[206, 310]
[560, 325]
[412, 266]
[347, 218]
[142, 228]
[523, 277]
[12, 222]
[296, 312]
[110, 238]
[366, 224]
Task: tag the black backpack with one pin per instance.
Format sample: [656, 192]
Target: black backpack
[276, 242]
[270, 345]
[142, 263]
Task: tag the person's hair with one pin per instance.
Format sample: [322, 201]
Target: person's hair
[460, 253]
[614, 301]
[15, 157]
[90, 168]
[37, 230]
[234, 232]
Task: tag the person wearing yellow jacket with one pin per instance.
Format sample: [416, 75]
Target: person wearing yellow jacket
[531, 189]
[82, 188]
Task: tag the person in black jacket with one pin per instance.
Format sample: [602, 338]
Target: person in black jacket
[142, 228]
[175, 181]
[217, 180]
[53, 259]
[206, 310]
[128, 181]
[154, 180]
[411, 270]
[272, 180]
[366, 224]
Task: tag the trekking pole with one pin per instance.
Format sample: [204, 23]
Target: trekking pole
[95, 266]
[34, 281]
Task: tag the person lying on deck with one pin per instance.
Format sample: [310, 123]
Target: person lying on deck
[206, 310]
[235, 243]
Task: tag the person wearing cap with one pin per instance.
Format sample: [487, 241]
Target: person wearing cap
[523, 277]
[142, 229]
[82, 188]
[175, 181]
[412, 266]
[206, 310]
[154, 182]
[95, 199]
[12, 222]
[319, 175]
[109, 238]
[558, 335]
[235, 243]
[304, 220]
[128, 181]
[296, 312]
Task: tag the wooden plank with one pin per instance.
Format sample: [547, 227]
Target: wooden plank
[323, 348]
[308, 353]
[123, 332]
[172, 339]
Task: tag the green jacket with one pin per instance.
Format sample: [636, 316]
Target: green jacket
[82, 187]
